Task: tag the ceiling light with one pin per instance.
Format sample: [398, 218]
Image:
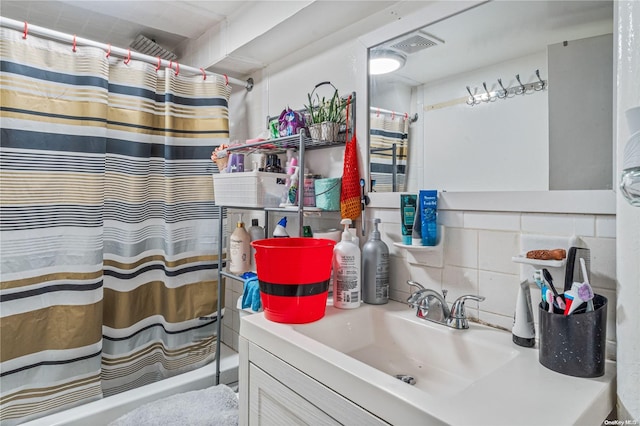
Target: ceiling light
[383, 61]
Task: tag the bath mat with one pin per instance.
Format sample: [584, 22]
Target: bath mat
[214, 406]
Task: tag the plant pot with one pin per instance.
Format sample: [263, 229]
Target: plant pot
[315, 131]
[329, 131]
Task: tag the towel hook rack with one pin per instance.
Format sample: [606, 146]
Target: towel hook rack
[522, 90]
[504, 93]
[540, 85]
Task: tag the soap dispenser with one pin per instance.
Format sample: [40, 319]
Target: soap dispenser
[346, 271]
[375, 269]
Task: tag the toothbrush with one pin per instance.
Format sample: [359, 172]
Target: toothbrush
[547, 276]
[549, 299]
[586, 287]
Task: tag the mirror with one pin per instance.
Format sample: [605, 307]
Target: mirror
[504, 96]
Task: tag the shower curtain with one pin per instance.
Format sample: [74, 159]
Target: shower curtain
[385, 130]
[108, 246]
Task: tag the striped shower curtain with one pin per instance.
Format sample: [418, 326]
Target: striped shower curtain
[388, 137]
[108, 226]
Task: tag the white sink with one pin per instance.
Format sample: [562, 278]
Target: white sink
[390, 338]
[472, 376]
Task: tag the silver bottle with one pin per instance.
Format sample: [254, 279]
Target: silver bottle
[375, 269]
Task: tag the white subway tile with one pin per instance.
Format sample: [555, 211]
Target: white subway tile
[451, 218]
[606, 226]
[500, 290]
[460, 281]
[495, 250]
[425, 275]
[461, 247]
[495, 221]
[584, 225]
[558, 224]
[603, 262]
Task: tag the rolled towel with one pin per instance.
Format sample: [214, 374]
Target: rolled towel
[251, 292]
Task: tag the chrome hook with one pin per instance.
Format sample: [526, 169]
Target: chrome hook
[472, 99]
[504, 93]
[540, 85]
[522, 89]
[488, 93]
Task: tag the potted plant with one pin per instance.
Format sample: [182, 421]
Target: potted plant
[325, 116]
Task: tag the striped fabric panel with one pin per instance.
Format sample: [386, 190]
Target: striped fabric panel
[53, 105]
[384, 132]
[160, 224]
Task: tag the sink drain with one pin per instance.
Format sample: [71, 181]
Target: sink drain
[406, 378]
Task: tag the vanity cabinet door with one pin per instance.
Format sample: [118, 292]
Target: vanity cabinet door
[272, 403]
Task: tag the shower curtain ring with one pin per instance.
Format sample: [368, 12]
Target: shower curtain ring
[177, 68]
[204, 74]
[26, 30]
[73, 47]
[159, 64]
[128, 59]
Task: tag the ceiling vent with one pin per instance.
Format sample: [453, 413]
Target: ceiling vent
[417, 42]
[146, 46]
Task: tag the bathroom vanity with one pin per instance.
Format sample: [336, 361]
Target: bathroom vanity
[342, 370]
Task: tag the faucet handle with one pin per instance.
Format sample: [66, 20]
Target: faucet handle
[412, 283]
[457, 310]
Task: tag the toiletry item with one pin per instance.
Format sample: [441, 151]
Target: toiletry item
[557, 297]
[256, 232]
[555, 254]
[375, 268]
[428, 200]
[523, 331]
[416, 230]
[280, 231]
[585, 291]
[306, 231]
[346, 271]
[408, 204]
[572, 299]
[239, 250]
[293, 187]
[573, 273]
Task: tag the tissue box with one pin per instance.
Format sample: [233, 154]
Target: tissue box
[249, 189]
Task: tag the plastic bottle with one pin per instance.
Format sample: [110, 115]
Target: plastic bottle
[346, 270]
[280, 231]
[239, 250]
[256, 232]
[375, 269]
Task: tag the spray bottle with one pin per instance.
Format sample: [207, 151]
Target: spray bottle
[346, 270]
[375, 269]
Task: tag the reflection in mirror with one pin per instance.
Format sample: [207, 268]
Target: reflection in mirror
[509, 96]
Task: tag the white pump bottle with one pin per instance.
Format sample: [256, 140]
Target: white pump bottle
[346, 271]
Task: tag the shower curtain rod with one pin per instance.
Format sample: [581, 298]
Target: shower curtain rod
[412, 119]
[124, 53]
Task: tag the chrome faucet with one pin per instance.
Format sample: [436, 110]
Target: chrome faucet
[432, 306]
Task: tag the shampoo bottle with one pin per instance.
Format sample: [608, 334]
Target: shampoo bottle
[256, 232]
[239, 250]
[346, 270]
[375, 269]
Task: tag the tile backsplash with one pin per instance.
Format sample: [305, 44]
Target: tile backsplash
[478, 247]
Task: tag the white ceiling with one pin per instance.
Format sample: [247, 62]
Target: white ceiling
[177, 23]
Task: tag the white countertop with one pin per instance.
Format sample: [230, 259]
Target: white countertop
[521, 392]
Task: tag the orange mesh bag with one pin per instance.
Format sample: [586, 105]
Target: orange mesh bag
[350, 206]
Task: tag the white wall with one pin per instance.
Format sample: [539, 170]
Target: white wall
[628, 218]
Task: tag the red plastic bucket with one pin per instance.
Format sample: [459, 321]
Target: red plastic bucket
[294, 274]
